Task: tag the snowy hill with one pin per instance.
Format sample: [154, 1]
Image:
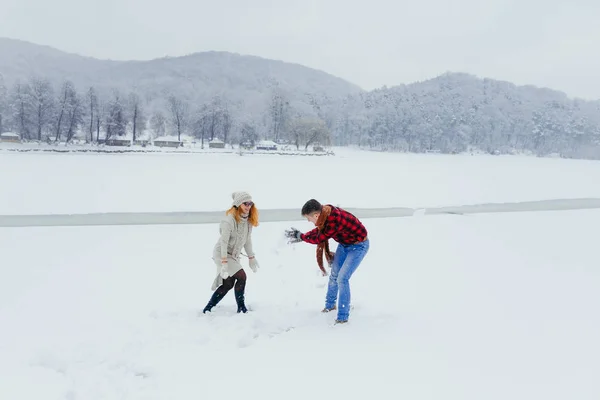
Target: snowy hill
[252, 96]
[455, 112]
[195, 77]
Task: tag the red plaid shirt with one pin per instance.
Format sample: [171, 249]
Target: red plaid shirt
[341, 226]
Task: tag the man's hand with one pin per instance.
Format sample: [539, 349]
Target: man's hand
[294, 235]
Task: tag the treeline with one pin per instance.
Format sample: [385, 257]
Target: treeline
[450, 114]
[457, 112]
[38, 111]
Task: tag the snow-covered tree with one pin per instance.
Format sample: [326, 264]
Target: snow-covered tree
[75, 115]
[116, 116]
[248, 133]
[68, 111]
[4, 108]
[42, 103]
[22, 109]
[93, 108]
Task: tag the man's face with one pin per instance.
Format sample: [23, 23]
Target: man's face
[313, 217]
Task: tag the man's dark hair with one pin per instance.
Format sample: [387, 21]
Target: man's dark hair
[311, 206]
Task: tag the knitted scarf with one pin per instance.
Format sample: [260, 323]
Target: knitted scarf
[323, 247]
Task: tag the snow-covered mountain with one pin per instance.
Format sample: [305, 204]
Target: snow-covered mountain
[195, 77]
[231, 96]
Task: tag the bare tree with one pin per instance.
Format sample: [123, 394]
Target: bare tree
[92, 98]
[213, 114]
[65, 97]
[137, 114]
[213, 120]
[226, 123]
[101, 111]
[279, 109]
[42, 97]
[179, 114]
[307, 131]
[201, 124]
[158, 124]
[75, 113]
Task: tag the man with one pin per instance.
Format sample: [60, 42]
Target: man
[353, 244]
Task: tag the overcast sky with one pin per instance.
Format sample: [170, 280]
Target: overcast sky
[371, 43]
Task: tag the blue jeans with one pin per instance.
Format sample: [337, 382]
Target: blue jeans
[346, 260]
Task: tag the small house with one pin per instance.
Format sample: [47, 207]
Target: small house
[141, 142]
[167, 142]
[216, 144]
[117, 141]
[266, 145]
[10, 137]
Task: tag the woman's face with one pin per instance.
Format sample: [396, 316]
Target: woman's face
[245, 207]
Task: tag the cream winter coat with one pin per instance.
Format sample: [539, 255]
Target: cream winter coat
[234, 237]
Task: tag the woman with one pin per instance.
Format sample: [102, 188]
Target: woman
[236, 233]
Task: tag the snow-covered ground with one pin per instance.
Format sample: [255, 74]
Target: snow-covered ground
[445, 307]
[498, 306]
[81, 183]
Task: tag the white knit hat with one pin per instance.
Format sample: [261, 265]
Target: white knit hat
[240, 197]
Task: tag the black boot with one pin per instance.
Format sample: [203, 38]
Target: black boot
[239, 299]
[214, 300]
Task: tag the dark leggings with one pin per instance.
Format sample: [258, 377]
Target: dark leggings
[238, 279]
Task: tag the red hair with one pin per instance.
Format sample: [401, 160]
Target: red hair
[237, 214]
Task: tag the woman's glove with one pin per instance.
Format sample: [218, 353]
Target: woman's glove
[254, 264]
[224, 273]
